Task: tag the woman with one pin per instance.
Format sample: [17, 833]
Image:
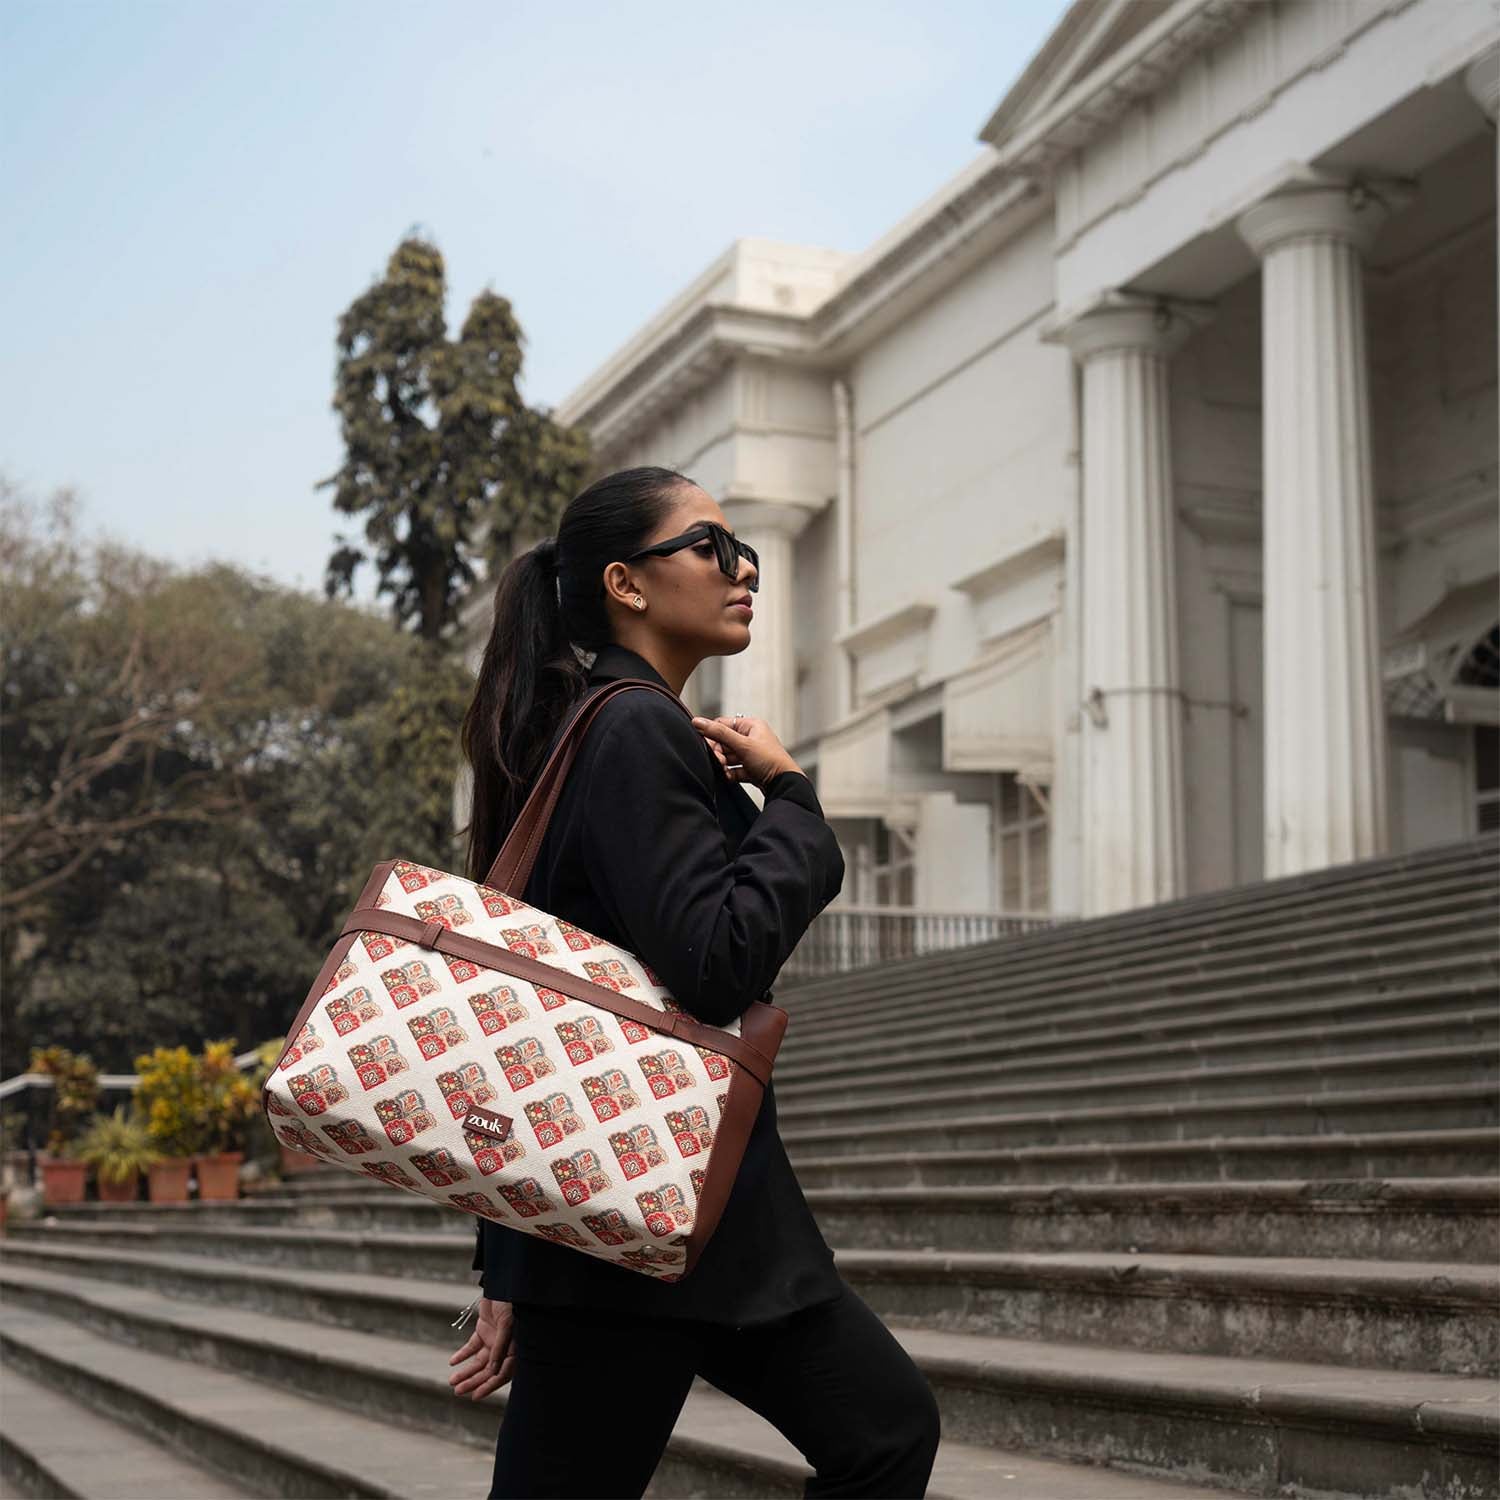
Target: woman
[655, 845]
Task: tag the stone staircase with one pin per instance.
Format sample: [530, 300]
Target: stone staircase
[1198, 1200]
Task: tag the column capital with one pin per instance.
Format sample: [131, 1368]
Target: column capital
[1128, 320]
[1323, 207]
[1482, 79]
[782, 517]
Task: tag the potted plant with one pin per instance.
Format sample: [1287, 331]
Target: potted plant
[119, 1148]
[230, 1103]
[75, 1088]
[169, 1094]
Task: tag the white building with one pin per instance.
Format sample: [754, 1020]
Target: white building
[1128, 512]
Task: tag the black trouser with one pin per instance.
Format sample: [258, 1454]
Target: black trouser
[594, 1397]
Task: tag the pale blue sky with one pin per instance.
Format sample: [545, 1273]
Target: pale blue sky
[193, 192]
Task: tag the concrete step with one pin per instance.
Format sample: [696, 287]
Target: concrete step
[52, 1445]
[1461, 916]
[1271, 1426]
[438, 1253]
[1042, 1031]
[1453, 1106]
[1381, 1314]
[265, 1208]
[311, 1180]
[263, 1433]
[1392, 1153]
[1437, 1068]
[1274, 973]
[418, 1309]
[950, 1059]
[1202, 926]
[1376, 1314]
[1406, 1219]
[961, 1469]
[1473, 864]
[1412, 1219]
[1410, 1153]
[282, 1387]
[364, 1204]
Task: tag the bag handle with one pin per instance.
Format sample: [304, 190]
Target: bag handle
[513, 864]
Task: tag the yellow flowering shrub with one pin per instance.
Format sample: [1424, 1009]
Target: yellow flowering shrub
[170, 1093]
[75, 1090]
[195, 1104]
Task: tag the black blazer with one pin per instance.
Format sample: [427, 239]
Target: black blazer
[653, 847]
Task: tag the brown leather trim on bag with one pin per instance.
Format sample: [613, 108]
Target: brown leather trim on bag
[511, 868]
[762, 1026]
[434, 935]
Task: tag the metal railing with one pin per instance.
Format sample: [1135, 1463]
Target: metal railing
[848, 936]
[19, 1081]
[15, 1094]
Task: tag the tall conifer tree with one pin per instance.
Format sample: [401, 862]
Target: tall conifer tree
[443, 459]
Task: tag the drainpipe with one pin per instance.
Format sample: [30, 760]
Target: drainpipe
[844, 547]
[1070, 743]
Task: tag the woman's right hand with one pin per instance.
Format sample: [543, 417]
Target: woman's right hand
[750, 742]
[490, 1360]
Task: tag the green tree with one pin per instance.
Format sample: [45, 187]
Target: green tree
[443, 459]
[257, 750]
[115, 671]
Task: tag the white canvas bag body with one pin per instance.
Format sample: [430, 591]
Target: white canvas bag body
[463, 1045]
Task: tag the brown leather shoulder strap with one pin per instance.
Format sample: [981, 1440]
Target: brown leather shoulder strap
[513, 864]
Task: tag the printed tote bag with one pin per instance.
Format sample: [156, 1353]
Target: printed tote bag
[483, 1053]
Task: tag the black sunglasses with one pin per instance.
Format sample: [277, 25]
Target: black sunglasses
[727, 548]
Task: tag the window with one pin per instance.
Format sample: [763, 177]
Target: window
[1021, 843]
[895, 869]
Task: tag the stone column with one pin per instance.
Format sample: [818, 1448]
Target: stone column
[762, 679]
[1325, 733]
[1132, 788]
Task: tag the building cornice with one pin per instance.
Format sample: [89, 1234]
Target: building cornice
[1138, 69]
[979, 208]
[699, 346]
[693, 338]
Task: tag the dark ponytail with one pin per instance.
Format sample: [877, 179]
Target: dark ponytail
[549, 605]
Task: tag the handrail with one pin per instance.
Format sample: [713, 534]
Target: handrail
[19, 1081]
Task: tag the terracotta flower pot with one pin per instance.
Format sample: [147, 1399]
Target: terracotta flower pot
[63, 1179]
[123, 1191]
[167, 1181]
[293, 1160]
[219, 1174]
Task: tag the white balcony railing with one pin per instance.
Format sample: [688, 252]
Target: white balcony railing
[845, 936]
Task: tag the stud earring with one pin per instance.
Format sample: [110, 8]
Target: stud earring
[639, 602]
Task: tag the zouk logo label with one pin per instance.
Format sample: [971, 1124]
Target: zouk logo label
[487, 1122]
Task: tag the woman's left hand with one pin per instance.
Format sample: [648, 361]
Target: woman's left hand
[734, 775]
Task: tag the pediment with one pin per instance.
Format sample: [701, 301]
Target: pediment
[1089, 34]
